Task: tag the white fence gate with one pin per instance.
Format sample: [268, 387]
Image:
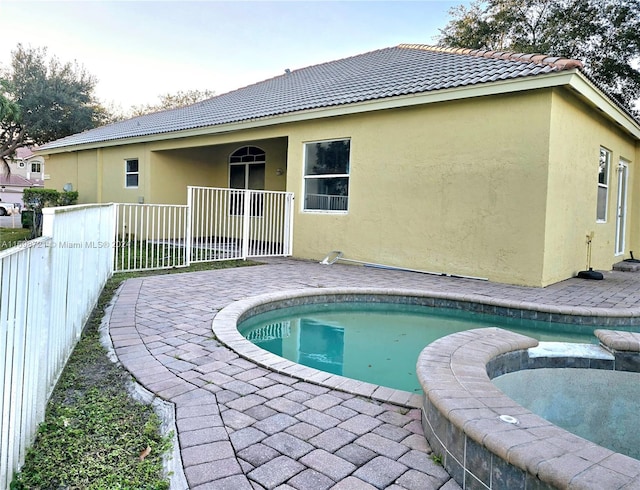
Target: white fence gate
[236, 224]
[216, 224]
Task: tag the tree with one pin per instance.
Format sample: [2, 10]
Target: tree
[173, 101]
[43, 99]
[9, 115]
[603, 34]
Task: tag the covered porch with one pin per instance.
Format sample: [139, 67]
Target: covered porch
[256, 164]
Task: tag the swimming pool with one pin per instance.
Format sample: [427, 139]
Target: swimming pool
[379, 342]
[455, 373]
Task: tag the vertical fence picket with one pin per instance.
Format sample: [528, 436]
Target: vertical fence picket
[235, 223]
[7, 330]
[156, 238]
[48, 288]
[188, 233]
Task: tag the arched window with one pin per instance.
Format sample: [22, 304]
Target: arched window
[246, 171]
[247, 168]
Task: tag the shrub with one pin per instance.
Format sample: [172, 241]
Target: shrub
[67, 198]
[36, 199]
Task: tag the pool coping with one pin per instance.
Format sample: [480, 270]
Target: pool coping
[224, 327]
[486, 440]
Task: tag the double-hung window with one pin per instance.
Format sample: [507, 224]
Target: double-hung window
[131, 173]
[603, 184]
[326, 176]
[35, 167]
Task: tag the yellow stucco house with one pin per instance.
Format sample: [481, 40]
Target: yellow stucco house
[475, 163]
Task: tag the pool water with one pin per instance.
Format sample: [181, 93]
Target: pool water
[379, 342]
[598, 405]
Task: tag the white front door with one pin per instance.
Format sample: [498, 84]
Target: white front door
[623, 171]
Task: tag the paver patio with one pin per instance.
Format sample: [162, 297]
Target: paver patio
[241, 426]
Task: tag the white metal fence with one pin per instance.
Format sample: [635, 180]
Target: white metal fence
[216, 224]
[150, 236]
[236, 224]
[48, 288]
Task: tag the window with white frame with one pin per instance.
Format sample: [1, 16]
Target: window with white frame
[247, 168]
[35, 167]
[247, 171]
[326, 175]
[603, 184]
[131, 173]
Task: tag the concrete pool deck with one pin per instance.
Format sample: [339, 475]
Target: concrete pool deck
[241, 426]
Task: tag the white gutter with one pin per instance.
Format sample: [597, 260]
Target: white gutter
[599, 100]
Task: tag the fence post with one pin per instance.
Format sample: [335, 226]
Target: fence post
[288, 227]
[188, 231]
[48, 216]
[117, 244]
[246, 223]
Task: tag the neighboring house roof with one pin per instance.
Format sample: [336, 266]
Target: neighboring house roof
[397, 71]
[13, 180]
[23, 153]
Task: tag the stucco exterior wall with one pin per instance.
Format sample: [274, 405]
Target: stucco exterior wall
[22, 167]
[577, 133]
[62, 168]
[97, 174]
[173, 170]
[502, 187]
[455, 187]
[112, 176]
[88, 178]
[166, 168]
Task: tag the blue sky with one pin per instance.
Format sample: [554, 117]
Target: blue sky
[139, 50]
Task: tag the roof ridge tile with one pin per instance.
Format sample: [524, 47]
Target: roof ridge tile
[557, 62]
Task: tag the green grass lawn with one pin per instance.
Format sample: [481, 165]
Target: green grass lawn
[10, 237]
[94, 432]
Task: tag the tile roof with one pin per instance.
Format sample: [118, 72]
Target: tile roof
[23, 152]
[401, 70]
[17, 181]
